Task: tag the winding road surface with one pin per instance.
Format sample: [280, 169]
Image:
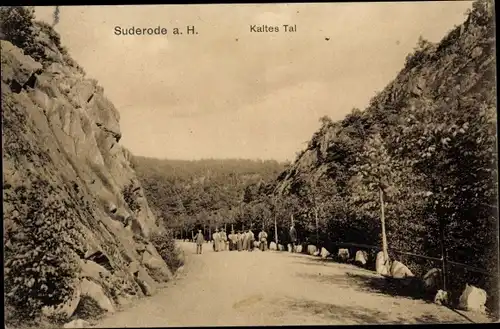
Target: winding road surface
[275, 288]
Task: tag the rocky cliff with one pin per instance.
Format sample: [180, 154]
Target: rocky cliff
[423, 154]
[462, 64]
[76, 222]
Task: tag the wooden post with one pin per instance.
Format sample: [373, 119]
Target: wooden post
[275, 231]
[443, 250]
[317, 226]
[382, 218]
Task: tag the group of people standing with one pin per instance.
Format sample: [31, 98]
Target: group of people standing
[240, 240]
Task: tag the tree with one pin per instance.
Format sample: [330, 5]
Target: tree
[17, 26]
[383, 179]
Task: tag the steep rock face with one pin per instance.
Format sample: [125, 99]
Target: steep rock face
[463, 63]
[69, 190]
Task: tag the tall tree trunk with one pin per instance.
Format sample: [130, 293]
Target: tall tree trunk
[443, 249]
[317, 226]
[382, 218]
[275, 230]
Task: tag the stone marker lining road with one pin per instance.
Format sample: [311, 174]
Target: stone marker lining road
[275, 288]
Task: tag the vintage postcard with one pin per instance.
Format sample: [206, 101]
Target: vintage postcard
[250, 164]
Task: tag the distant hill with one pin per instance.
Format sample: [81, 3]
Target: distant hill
[201, 192]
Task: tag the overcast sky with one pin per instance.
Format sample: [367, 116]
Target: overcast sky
[261, 96]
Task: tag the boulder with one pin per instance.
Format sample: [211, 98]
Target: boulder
[382, 265]
[256, 244]
[400, 271]
[181, 257]
[289, 247]
[133, 267]
[17, 69]
[272, 246]
[324, 253]
[298, 248]
[157, 267]
[78, 323]
[82, 92]
[147, 284]
[96, 293]
[441, 298]
[64, 310]
[432, 280]
[281, 247]
[90, 269]
[316, 253]
[361, 257]
[473, 299]
[343, 254]
[311, 249]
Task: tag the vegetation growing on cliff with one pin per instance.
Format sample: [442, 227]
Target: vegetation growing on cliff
[429, 142]
[59, 199]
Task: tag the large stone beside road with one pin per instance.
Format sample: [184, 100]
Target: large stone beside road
[382, 265]
[324, 253]
[96, 293]
[298, 248]
[361, 257]
[281, 247]
[157, 267]
[90, 269]
[473, 299]
[289, 247]
[144, 280]
[272, 246]
[432, 280]
[441, 298]
[311, 249]
[343, 254]
[400, 271]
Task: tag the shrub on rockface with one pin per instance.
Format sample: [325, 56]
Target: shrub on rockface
[165, 245]
[130, 198]
[40, 267]
[17, 26]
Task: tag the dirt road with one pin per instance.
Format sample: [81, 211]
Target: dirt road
[271, 288]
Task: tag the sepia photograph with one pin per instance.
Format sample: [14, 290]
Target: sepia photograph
[229, 164]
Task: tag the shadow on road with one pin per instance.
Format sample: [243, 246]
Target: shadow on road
[368, 281]
[352, 314]
[365, 280]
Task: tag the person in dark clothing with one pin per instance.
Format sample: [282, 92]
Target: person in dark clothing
[199, 239]
[293, 237]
